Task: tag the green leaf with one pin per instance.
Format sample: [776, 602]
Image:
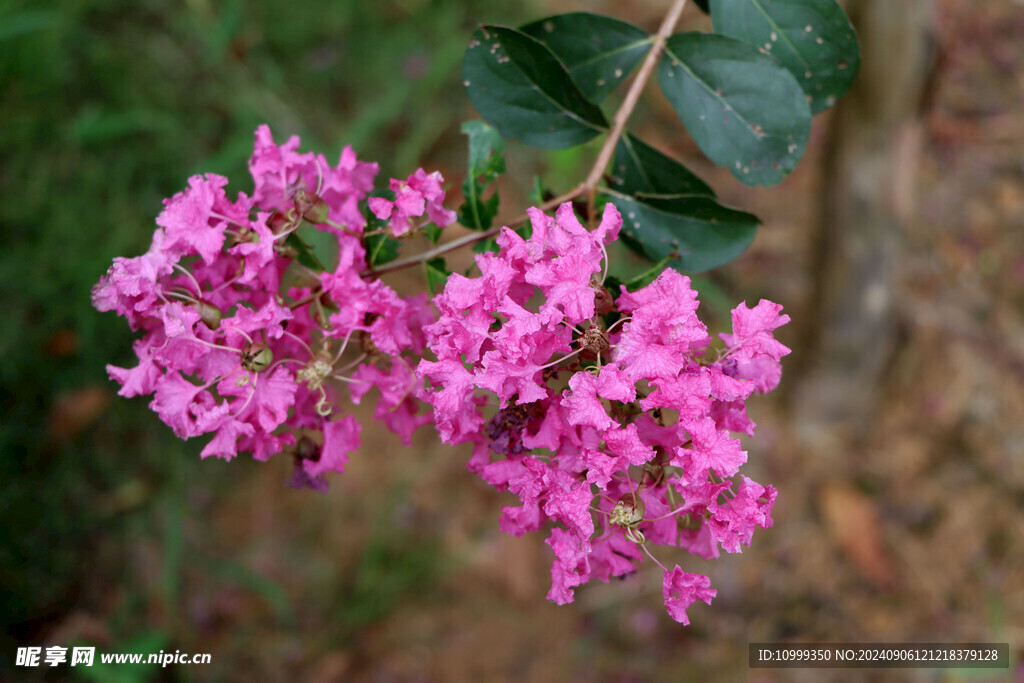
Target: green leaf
[536, 195]
[489, 244]
[694, 233]
[599, 52]
[743, 109]
[380, 249]
[486, 162]
[433, 232]
[521, 88]
[486, 150]
[638, 168]
[813, 39]
[437, 274]
[648, 276]
[304, 254]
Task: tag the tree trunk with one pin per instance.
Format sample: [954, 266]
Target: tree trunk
[851, 330]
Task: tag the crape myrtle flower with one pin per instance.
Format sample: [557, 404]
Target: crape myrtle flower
[421, 192]
[608, 414]
[241, 341]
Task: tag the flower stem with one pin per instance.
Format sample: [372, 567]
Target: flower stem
[625, 110]
[644, 548]
[604, 157]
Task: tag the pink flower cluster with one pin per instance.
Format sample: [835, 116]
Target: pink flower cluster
[608, 415]
[421, 192]
[241, 341]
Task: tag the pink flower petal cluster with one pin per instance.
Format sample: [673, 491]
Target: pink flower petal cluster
[421, 192]
[237, 344]
[284, 178]
[609, 416]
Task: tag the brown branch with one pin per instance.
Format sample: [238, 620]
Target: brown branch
[633, 95]
[604, 157]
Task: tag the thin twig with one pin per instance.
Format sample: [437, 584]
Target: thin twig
[604, 157]
[468, 239]
[633, 95]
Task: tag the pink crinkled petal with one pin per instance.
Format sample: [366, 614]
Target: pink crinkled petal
[381, 207]
[341, 437]
[625, 443]
[712, 450]
[177, 401]
[570, 568]
[682, 589]
[225, 442]
[581, 404]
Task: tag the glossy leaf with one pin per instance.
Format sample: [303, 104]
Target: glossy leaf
[813, 39]
[639, 168]
[742, 108]
[693, 233]
[486, 162]
[521, 88]
[599, 52]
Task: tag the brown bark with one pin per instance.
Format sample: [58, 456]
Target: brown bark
[851, 331]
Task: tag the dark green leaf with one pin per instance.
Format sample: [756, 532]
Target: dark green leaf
[694, 233]
[380, 249]
[486, 162]
[437, 274]
[484, 212]
[741, 106]
[648, 276]
[813, 39]
[489, 244]
[703, 4]
[433, 232]
[600, 52]
[640, 169]
[521, 88]
[304, 254]
[476, 213]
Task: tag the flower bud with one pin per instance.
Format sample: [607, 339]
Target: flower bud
[209, 314]
[278, 222]
[603, 301]
[310, 206]
[257, 357]
[593, 340]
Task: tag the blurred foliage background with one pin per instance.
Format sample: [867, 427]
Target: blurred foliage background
[115, 534]
[107, 108]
